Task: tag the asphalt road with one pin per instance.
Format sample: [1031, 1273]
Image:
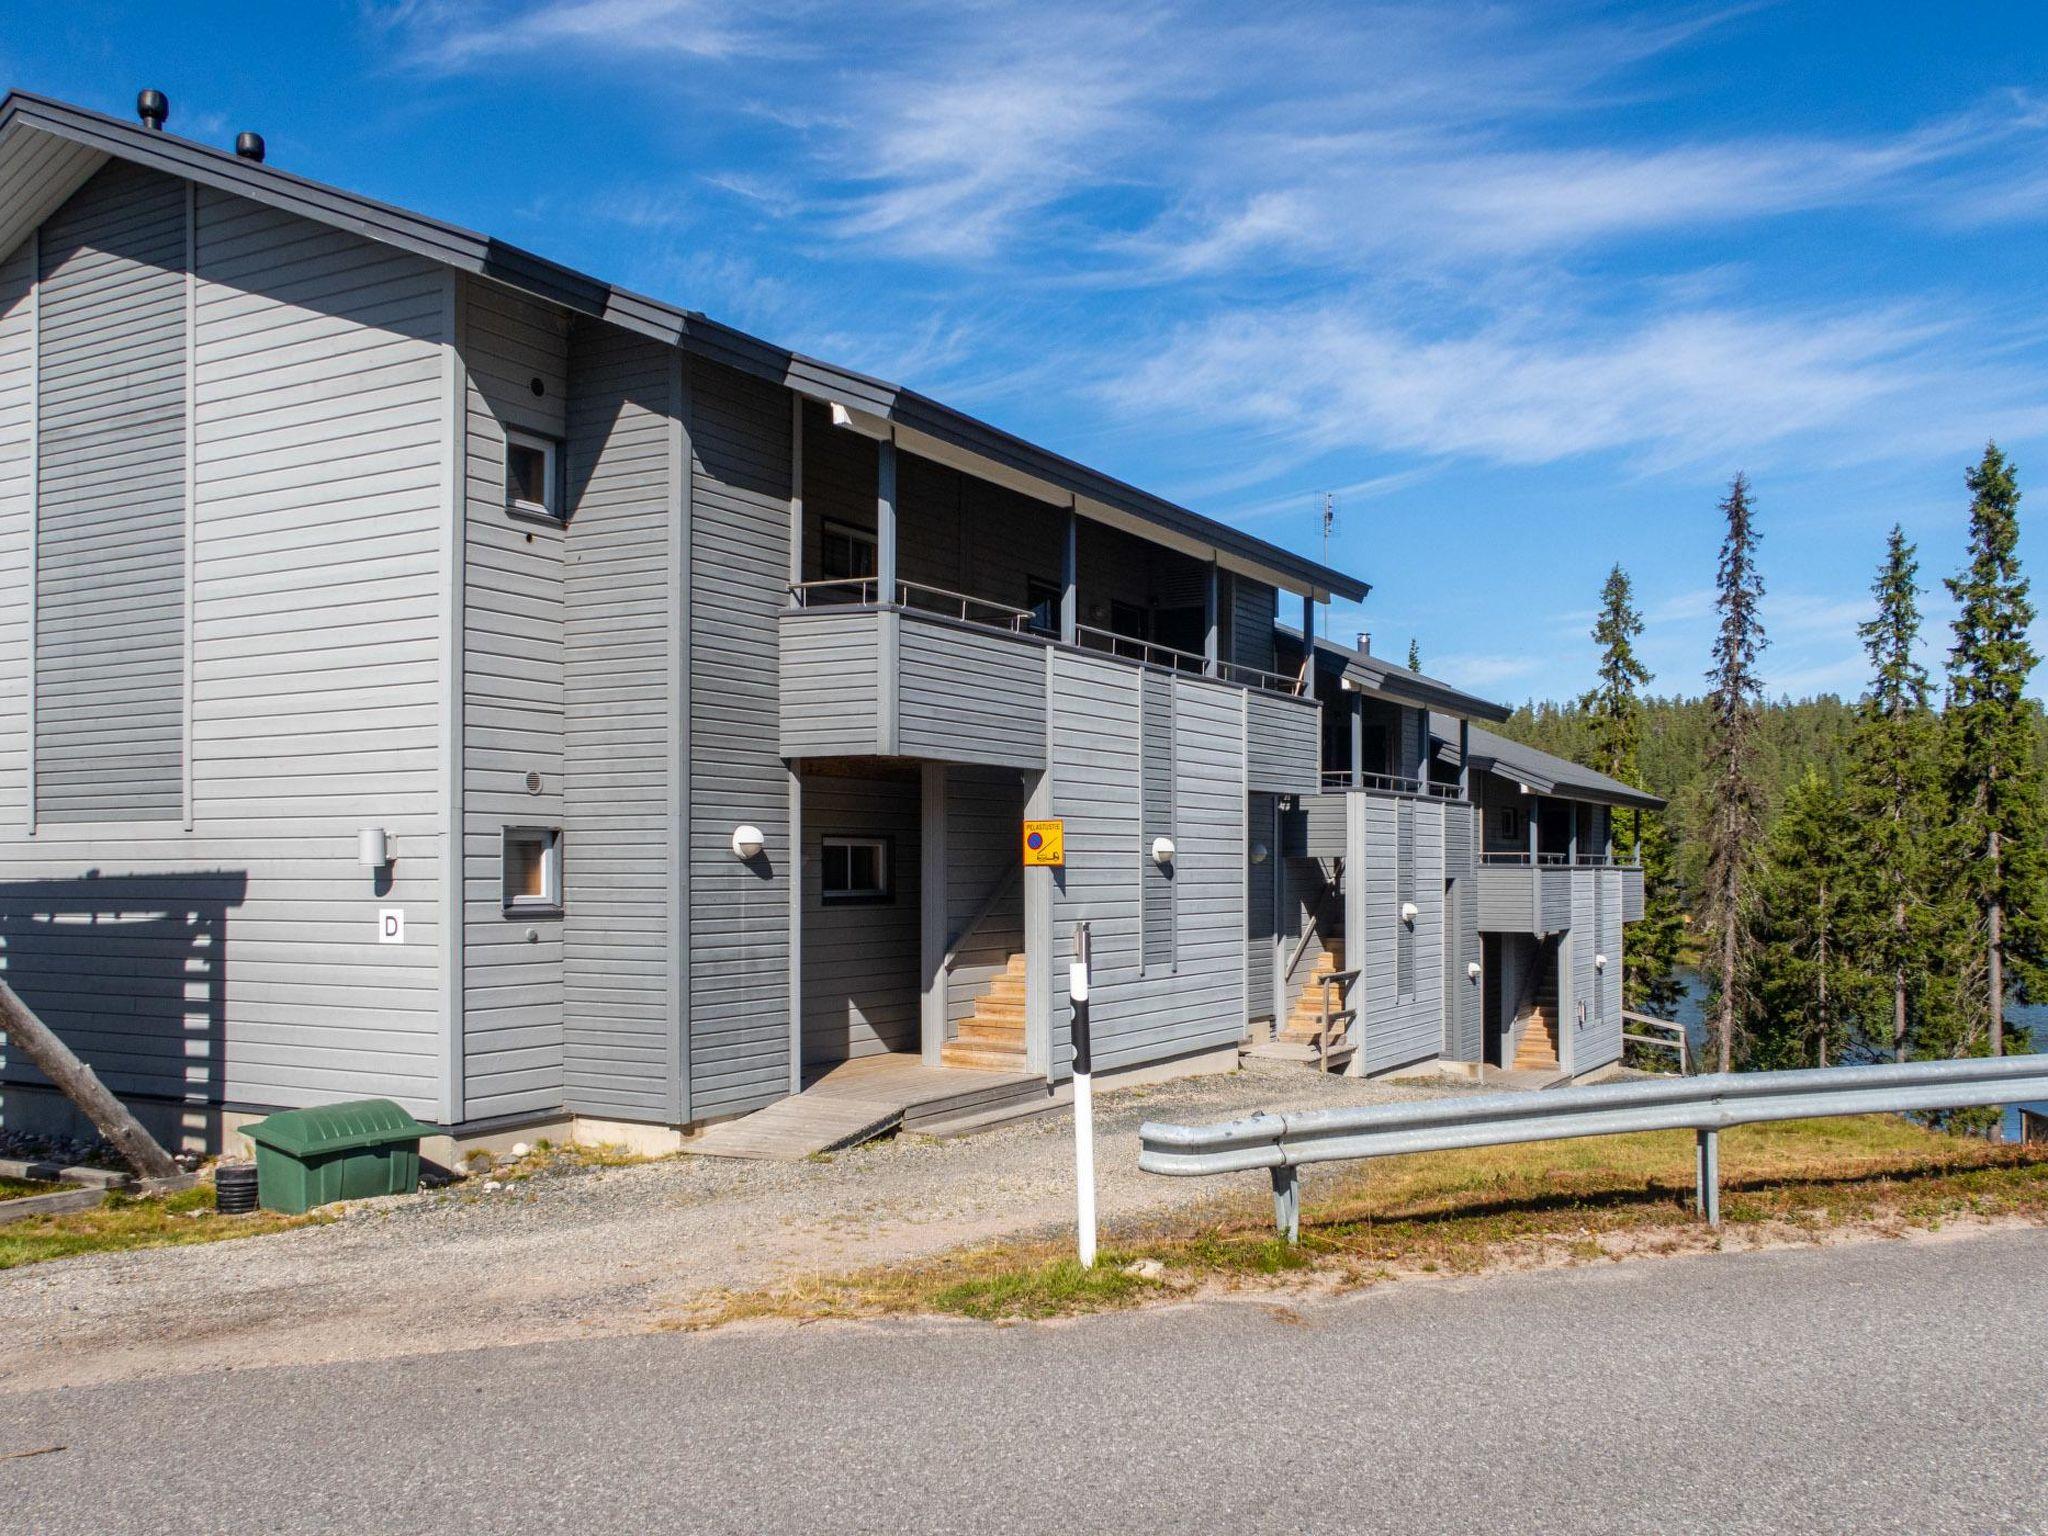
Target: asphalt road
[1882, 1386]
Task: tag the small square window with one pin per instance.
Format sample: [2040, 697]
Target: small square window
[855, 869]
[1507, 822]
[532, 869]
[530, 475]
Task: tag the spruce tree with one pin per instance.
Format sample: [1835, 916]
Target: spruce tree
[1735, 800]
[1805, 987]
[1615, 701]
[1613, 708]
[1995, 782]
[1414, 657]
[1892, 783]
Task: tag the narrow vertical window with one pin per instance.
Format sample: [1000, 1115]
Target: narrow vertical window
[530, 478]
[531, 869]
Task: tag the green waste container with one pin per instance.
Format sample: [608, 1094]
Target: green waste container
[308, 1157]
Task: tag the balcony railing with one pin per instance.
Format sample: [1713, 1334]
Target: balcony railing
[1336, 780]
[1524, 859]
[853, 591]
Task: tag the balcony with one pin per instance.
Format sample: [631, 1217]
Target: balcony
[947, 677]
[1524, 893]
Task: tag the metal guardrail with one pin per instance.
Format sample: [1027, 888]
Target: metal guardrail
[1281, 1144]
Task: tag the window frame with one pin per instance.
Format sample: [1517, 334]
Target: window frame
[1053, 594]
[551, 473]
[549, 902]
[882, 893]
[831, 528]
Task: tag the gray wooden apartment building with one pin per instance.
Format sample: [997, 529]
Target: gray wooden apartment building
[436, 674]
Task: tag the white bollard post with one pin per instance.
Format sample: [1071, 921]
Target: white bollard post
[1084, 1101]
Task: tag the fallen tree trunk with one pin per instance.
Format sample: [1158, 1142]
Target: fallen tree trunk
[32, 1037]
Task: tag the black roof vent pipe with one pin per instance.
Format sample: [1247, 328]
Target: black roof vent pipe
[249, 146]
[153, 107]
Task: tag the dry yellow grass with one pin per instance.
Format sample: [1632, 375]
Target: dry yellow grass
[1569, 1201]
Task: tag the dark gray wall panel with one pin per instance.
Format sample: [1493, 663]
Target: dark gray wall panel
[860, 959]
[831, 676]
[619, 623]
[1283, 743]
[1156, 820]
[739, 930]
[110, 547]
[969, 697]
[1260, 882]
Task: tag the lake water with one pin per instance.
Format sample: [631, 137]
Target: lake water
[1692, 1013]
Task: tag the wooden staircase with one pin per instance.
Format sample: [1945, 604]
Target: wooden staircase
[1536, 1045]
[1304, 1035]
[991, 1039]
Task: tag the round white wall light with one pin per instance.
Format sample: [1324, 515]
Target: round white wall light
[1162, 850]
[1410, 912]
[1259, 853]
[1472, 969]
[1599, 962]
[747, 841]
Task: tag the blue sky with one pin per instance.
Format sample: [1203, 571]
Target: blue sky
[1523, 285]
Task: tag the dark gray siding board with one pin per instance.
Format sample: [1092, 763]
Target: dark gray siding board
[739, 933]
[1553, 900]
[1284, 749]
[1507, 898]
[1260, 880]
[110, 538]
[969, 697]
[1463, 993]
[984, 814]
[1253, 608]
[831, 676]
[512, 705]
[619, 620]
[1596, 925]
[860, 959]
[238, 962]
[1631, 896]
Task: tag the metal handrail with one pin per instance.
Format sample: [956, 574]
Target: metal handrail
[1521, 860]
[857, 590]
[1708, 1105]
[1390, 784]
[1003, 887]
[1258, 677]
[1149, 652]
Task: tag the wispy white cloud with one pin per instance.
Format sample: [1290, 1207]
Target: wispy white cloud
[456, 35]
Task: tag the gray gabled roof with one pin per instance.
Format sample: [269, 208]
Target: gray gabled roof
[1537, 771]
[49, 148]
[1390, 680]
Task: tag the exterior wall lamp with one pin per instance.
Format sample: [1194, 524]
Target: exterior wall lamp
[1409, 912]
[373, 848]
[1472, 969]
[747, 842]
[1259, 853]
[1599, 962]
[1162, 851]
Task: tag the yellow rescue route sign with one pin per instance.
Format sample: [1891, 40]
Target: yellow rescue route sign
[1045, 843]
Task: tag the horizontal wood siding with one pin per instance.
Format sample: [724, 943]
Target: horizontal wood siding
[1507, 898]
[1095, 767]
[110, 545]
[1596, 924]
[1260, 881]
[1253, 609]
[512, 705]
[1553, 900]
[984, 819]
[1156, 820]
[969, 697]
[1631, 895]
[860, 959]
[1395, 1028]
[620, 622]
[1284, 736]
[239, 963]
[17, 492]
[739, 912]
[830, 677]
[1463, 993]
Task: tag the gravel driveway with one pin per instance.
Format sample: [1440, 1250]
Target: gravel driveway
[600, 1252]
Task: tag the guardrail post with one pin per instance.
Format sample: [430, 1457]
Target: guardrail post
[1287, 1203]
[1707, 1157]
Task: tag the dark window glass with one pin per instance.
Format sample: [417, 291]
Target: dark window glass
[1042, 597]
[526, 475]
[845, 554]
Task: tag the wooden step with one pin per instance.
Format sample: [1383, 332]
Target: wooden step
[981, 1057]
[990, 1033]
[1536, 1047]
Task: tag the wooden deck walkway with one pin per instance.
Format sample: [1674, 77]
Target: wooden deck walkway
[856, 1101]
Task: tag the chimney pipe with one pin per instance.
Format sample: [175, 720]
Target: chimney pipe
[1365, 642]
[249, 146]
[153, 107]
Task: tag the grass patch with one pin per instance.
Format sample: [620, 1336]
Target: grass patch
[1577, 1201]
[15, 1189]
[123, 1222]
